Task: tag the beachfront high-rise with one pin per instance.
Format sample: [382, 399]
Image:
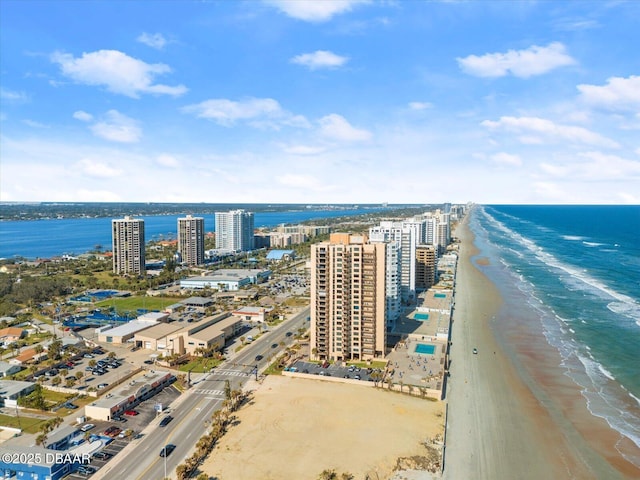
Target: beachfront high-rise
[191, 240]
[347, 298]
[408, 234]
[128, 246]
[234, 231]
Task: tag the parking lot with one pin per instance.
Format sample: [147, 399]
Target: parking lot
[130, 427]
[334, 370]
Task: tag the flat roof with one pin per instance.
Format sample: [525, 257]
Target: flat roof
[131, 388]
[437, 299]
[60, 433]
[250, 310]
[131, 327]
[161, 330]
[12, 387]
[213, 331]
[154, 316]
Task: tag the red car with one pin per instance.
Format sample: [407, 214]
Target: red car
[131, 413]
[112, 431]
[70, 364]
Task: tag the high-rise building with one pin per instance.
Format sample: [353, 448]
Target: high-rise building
[347, 298]
[128, 246]
[191, 240]
[407, 235]
[426, 257]
[234, 231]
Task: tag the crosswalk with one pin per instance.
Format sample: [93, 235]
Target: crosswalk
[205, 391]
[233, 373]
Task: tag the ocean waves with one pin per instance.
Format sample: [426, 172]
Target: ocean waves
[586, 301]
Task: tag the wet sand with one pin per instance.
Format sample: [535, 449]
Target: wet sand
[512, 412]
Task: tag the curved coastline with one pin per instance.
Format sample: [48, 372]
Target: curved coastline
[513, 413]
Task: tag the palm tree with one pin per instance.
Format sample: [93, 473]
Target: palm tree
[41, 439]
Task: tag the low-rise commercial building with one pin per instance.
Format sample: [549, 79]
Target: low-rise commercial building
[128, 396]
[11, 390]
[209, 333]
[230, 279]
[251, 314]
[123, 333]
[7, 369]
[45, 465]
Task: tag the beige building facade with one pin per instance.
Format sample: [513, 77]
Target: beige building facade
[348, 299]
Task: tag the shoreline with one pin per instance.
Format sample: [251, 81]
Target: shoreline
[512, 411]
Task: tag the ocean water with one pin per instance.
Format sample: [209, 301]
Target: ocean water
[33, 239]
[577, 271]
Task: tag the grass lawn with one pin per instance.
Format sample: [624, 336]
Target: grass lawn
[200, 365]
[128, 304]
[27, 424]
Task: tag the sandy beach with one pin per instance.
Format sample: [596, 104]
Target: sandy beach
[506, 418]
[296, 428]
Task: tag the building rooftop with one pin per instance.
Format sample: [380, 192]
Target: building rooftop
[131, 327]
[135, 387]
[9, 388]
[215, 330]
[161, 330]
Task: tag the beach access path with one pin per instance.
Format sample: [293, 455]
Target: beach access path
[496, 427]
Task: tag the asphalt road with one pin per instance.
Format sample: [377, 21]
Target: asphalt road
[193, 410]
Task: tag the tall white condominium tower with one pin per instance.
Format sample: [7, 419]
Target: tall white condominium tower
[347, 299]
[234, 231]
[191, 240]
[407, 234]
[128, 246]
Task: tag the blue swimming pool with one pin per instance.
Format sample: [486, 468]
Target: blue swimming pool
[439, 295]
[421, 316]
[425, 348]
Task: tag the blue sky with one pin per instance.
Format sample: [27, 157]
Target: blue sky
[320, 101]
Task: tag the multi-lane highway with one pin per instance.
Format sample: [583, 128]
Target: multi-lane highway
[193, 410]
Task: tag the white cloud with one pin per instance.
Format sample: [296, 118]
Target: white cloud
[336, 127]
[34, 124]
[314, 10]
[153, 40]
[257, 112]
[595, 166]
[534, 129]
[320, 59]
[297, 180]
[117, 127]
[13, 96]
[534, 60]
[508, 159]
[638, 151]
[94, 168]
[82, 116]
[117, 71]
[618, 94]
[420, 105]
[303, 149]
[167, 161]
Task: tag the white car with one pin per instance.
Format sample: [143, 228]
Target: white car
[87, 427]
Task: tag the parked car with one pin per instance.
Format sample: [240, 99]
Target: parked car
[167, 449]
[475, 351]
[112, 431]
[87, 427]
[87, 355]
[118, 418]
[166, 420]
[131, 413]
[102, 385]
[86, 470]
[70, 406]
[102, 455]
[148, 362]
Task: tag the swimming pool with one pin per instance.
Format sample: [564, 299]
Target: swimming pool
[439, 295]
[425, 348]
[421, 316]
